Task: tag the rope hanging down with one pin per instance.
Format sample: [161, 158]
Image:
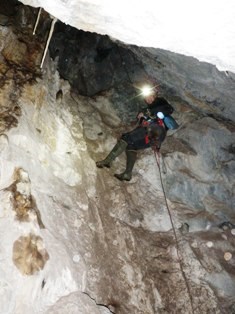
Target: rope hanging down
[36, 24]
[48, 40]
[157, 157]
[49, 36]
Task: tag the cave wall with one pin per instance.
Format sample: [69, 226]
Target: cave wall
[76, 240]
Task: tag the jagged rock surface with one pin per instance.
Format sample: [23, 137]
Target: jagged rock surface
[110, 244]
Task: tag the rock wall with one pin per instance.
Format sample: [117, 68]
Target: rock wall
[103, 246]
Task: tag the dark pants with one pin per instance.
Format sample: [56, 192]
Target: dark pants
[137, 140]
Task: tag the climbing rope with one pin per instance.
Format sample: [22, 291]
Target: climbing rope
[157, 157]
[48, 39]
[36, 24]
[54, 20]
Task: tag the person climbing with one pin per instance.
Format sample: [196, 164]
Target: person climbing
[150, 132]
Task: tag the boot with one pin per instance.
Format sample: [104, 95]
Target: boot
[130, 161]
[115, 152]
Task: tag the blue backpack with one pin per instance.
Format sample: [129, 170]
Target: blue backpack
[170, 123]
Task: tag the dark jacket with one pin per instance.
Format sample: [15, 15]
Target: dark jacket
[160, 104]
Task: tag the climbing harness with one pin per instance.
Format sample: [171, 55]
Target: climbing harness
[157, 157]
[154, 127]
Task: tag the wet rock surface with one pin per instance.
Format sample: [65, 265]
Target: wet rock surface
[110, 244]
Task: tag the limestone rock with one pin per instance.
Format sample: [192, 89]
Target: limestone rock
[111, 244]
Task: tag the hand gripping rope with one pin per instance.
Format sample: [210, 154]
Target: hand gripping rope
[157, 157]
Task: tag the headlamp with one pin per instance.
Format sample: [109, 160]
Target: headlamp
[147, 90]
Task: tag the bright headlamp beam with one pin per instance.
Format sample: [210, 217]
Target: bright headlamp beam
[146, 91]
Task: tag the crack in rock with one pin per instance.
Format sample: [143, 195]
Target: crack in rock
[110, 308]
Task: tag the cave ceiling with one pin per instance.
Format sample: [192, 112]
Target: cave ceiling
[201, 29]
